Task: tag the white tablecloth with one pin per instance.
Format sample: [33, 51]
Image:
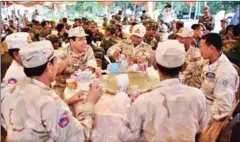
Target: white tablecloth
[106, 122]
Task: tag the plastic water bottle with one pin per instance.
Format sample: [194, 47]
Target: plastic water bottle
[182, 78]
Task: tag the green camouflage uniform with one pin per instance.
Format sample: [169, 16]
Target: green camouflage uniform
[63, 38]
[153, 39]
[222, 33]
[106, 44]
[208, 22]
[234, 54]
[44, 33]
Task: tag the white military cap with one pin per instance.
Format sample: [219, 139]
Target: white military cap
[17, 40]
[170, 54]
[185, 32]
[139, 30]
[77, 32]
[92, 63]
[36, 54]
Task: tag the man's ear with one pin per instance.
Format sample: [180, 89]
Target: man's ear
[155, 64]
[48, 68]
[15, 55]
[184, 67]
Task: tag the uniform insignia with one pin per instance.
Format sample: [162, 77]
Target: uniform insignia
[138, 31]
[63, 121]
[12, 81]
[210, 75]
[224, 82]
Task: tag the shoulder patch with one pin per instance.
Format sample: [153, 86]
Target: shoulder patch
[224, 82]
[12, 80]
[63, 121]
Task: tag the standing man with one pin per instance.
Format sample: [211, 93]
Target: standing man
[220, 79]
[33, 112]
[224, 24]
[207, 19]
[172, 112]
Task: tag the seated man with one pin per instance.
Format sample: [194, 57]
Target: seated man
[15, 42]
[152, 36]
[73, 58]
[135, 49]
[220, 79]
[35, 112]
[97, 35]
[171, 112]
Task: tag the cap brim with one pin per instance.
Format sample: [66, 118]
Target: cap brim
[136, 35]
[181, 35]
[80, 35]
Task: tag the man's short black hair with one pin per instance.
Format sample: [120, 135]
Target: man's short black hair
[120, 12]
[11, 51]
[64, 20]
[111, 30]
[195, 27]
[213, 39]
[37, 71]
[236, 30]
[229, 27]
[179, 24]
[144, 11]
[172, 72]
[84, 19]
[60, 27]
[44, 23]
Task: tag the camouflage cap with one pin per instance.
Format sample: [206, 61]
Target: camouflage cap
[93, 23]
[152, 26]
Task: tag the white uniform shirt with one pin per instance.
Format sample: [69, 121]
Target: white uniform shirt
[34, 112]
[172, 112]
[220, 82]
[15, 71]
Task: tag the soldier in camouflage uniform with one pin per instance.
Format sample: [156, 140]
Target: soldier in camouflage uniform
[134, 49]
[224, 24]
[152, 37]
[207, 19]
[73, 58]
[97, 36]
[118, 16]
[62, 34]
[228, 40]
[107, 42]
[45, 29]
[233, 54]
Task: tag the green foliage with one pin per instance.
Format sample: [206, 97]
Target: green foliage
[93, 10]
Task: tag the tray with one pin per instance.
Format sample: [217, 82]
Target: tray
[143, 80]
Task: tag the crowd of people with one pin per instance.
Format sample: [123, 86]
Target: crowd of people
[34, 109]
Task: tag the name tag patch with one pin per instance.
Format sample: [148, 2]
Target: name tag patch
[210, 75]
